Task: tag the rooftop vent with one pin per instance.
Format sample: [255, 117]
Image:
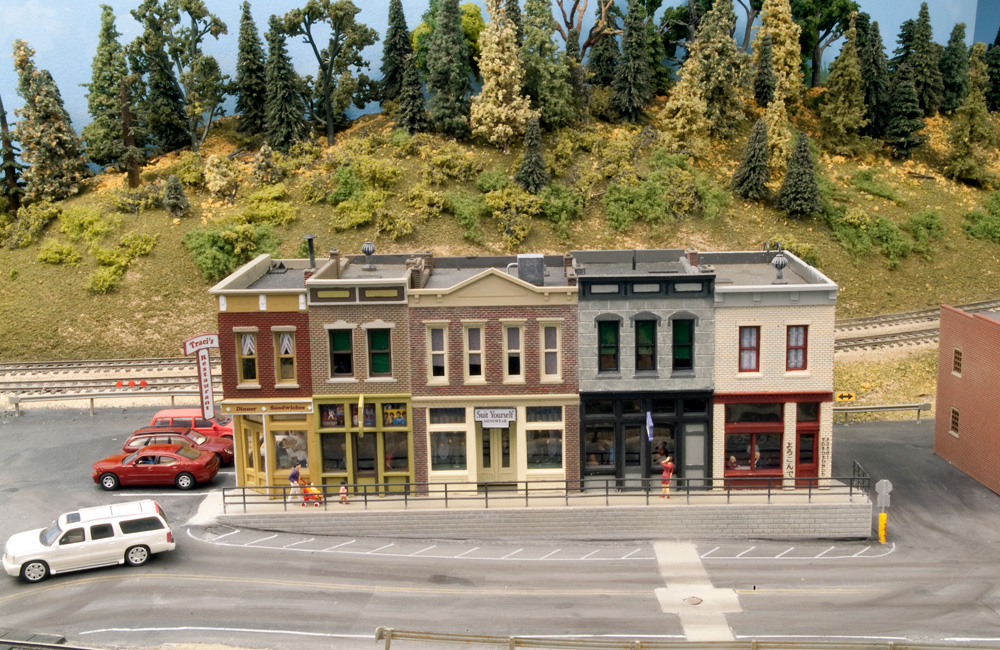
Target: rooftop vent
[368, 249]
[779, 262]
[531, 268]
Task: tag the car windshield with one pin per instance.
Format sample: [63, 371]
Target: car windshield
[188, 452]
[50, 534]
[130, 458]
[198, 438]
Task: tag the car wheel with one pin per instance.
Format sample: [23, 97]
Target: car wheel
[109, 481]
[221, 462]
[34, 571]
[184, 481]
[136, 555]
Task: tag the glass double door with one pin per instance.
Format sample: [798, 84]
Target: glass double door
[616, 449]
[496, 455]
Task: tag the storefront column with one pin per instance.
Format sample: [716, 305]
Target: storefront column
[825, 444]
[788, 446]
[718, 446]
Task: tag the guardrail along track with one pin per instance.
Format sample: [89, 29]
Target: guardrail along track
[908, 317]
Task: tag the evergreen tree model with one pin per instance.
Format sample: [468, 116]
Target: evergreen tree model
[972, 137]
[905, 115]
[533, 174]
[720, 62]
[764, 81]
[750, 179]
[875, 82]
[395, 49]
[174, 200]
[411, 114]
[631, 91]
[906, 41]
[251, 79]
[954, 66]
[499, 112]
[104, 137]
[284, 111]
[844, 111]
[925, 62]
[682, 121]
[992, 60]
[512, 14]
[776, 22]
[162, 107]
[11, 187]
[546, 78]
[448, 70]
[604, 56]
[50, 149]
[472, 27]
[340, 81]
[799, 193]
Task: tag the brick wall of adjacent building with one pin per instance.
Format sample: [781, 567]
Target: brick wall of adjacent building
[266, 376]
[975, 447]
[360, 315]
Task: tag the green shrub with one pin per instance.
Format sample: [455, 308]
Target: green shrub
[104, 279]
[174, 199]
[221, 177]
[123, 199]
[993, 203]
[805, 252]
[865, 181]
[982, 225]
[276, 213]
[892, 242]
[136, 244]
[360, 210]
[31, 221]
[376, 172]
[860, 232]
[276, 192]
[393, 224]
[713, 198]
[189, 169]
[561, 205]
[668, 194]
[348, 186]
[300, 156]
[851, 230]
[217, 251]
[401, 139]
[925, 227]
[513, 209]
[265, 169]
[468, 210]
[316, 189]
[111, 257]
[87, 224]
[427, 201]
[449, 161]
[54, 252]
[493, 180]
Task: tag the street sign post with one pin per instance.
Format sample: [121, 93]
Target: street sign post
[882, 490]
[845, 396]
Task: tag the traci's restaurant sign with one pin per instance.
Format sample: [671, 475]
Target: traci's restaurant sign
[495, 417]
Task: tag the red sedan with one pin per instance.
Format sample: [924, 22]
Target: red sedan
[178, 465]
[221, 447]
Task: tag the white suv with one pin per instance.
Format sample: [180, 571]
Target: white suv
[123, 533]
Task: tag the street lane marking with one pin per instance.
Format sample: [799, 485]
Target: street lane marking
[788, 550]
[301, 541]
[826, 551]
[474, 548]
[378, 549]
[262, 539]
[339, 545]
[422, 550]
[710, 552]
[232, 532]
[861, 551]
[746, 551]
[511, 554]
[589, 554]
[549, 554]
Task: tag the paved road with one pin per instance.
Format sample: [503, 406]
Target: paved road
[935, 581]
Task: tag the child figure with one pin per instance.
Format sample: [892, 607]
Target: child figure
[343, 491]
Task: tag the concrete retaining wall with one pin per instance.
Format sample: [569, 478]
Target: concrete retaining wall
[786, 522]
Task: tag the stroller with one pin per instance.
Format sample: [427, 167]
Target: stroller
[311, 494]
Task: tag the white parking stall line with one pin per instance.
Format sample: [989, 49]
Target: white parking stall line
[746, 551]
[547, 555]
[628, 555]
[301, 541]
[589, 554]
[422, 550]
[262, 539]
[378, 549]
[826, 551]
[509, 555]
[474, 548]
[339, 545]
[861, 551]
[710, 552]
[232, 532]
[788, 550]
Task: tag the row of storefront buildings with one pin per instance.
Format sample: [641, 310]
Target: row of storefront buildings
[397, 369]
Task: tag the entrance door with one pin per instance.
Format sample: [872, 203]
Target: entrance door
[630, 441]
[364, 458]
[695, 442]
[496, 452]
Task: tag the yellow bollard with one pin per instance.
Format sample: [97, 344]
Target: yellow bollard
[881, 527]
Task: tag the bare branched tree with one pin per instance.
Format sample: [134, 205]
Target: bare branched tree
[572, 18]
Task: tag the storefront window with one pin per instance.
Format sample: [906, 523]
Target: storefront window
[664, 443]
[397, 454]
[394, 415]
[448, 450]
[251, 447]
[807, 448]
[331, 415]
[738, 451]
[664, 406]
[544, 448]
[365, 451]
[695, 407]
[334, 452]
[631, 406]
[289, 449]
[543, 414]
[599, 447]
[736, 413]
[599, 407]
[369, 415]
[446, 416]
[807, 412]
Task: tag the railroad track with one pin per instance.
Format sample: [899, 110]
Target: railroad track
[892, 340]
[69, 387]
[908, 317]
[22, 368]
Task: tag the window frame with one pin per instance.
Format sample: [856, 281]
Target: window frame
[431, 353]
[508, 326]
[369, 333]
[544, 350]
[956, 362]
[954, 422]
[467, 352]
[330, 334]
[652, 344]
[279, 356]
[617, 326]
[755, 349]
[789, 348]
[674, 345]
[242, 358]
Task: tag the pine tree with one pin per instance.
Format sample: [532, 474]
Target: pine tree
[750, 179]
[411, 114]
[844, 111]
[799, 193]
[875, 82]
[251, 77]
[925, 61]
[954, 66]
[720, 65]
[512, 14]
[661, 75]
[11, 188]
[396, 48]
[284, 111]
[685, 129]
[448, 70]
[906, 41]
[533, 174]
[175, 201]
[546, 78]
[764, 81]
[104, 136]
[50, 148]
[972, 135]
[992, 60]
[779, 135]
[631, 87]
[499, 112]
[776, 22]
[905, 116]
[604, 55]
[162, 107]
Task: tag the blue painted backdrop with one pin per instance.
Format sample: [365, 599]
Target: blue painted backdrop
[64, 34]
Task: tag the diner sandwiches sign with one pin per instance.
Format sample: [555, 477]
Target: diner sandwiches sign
[496, 417]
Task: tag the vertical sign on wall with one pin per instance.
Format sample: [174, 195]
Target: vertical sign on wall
[200, 345]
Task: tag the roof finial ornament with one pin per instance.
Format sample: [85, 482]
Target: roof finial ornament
[779, 262]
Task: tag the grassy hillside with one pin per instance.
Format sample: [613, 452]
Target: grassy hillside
[48, 313]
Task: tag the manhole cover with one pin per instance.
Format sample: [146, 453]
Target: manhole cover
[692, 600]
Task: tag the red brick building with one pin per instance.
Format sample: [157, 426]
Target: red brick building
[968, 387]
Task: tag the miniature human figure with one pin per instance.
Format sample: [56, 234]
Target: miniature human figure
[668, 470]
[755, 464]
[731, 463]
[293, 480]
[311, 493]
[343, 491]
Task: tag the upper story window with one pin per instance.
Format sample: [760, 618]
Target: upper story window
[956, 362]
[246, 351]
[798, 336]
[749, 349]
[551, 349]
[683, 344]
[513, 342]
[379, 353]
[953, 424]
[437, 344]
[607, 343]
[284, 350]
[474, 353]
[645, 345]
[341, 353]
